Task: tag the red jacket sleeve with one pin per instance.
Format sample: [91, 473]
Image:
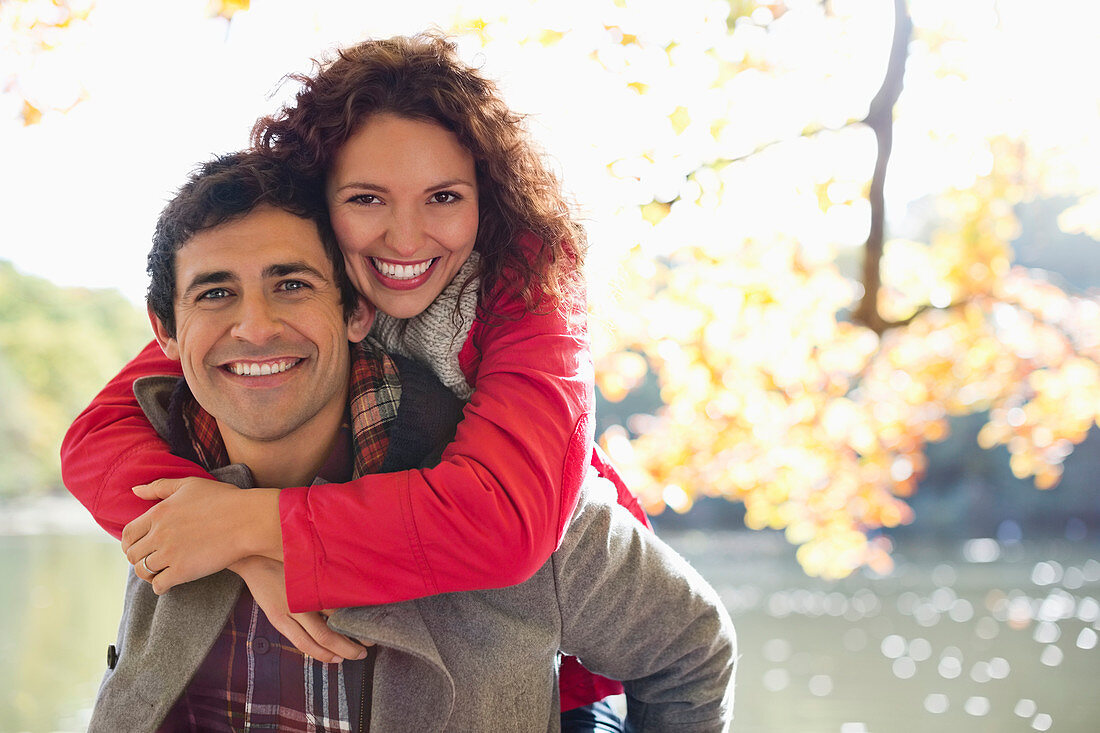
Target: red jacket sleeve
[111, 447]
[491, 513]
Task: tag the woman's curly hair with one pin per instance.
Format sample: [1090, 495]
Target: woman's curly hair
[421, 77]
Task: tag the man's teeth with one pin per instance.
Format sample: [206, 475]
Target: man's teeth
[401, 272]
[254, 369]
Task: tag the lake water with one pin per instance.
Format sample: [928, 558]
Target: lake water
[945, 643]
[942, 644]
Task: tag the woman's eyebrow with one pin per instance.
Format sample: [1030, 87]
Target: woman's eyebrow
[448, 183]
[368, 186]
[364, 185]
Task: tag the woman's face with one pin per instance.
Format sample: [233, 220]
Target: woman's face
[402, 194]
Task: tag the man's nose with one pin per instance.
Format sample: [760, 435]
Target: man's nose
[257, 320]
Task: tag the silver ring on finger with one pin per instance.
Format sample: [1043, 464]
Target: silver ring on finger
[145, 565]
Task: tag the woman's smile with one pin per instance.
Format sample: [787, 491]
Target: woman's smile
[401, 273]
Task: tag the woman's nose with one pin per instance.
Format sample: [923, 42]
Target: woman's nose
[405, 234]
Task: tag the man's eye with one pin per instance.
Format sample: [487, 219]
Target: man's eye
[215, 294]
[291, 285]
[444, 197]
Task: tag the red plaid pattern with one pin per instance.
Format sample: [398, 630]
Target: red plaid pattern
[375, 393]
[205, 438]
[253, 677]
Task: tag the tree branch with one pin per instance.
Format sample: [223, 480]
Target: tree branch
[880, 118]
[808, 133]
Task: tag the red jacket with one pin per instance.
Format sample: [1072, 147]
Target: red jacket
[489, 515]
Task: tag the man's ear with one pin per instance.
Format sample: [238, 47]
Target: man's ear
[167, 343]
[360, 320]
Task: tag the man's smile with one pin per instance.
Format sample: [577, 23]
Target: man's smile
[260, 368]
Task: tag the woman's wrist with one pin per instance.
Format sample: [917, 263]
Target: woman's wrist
[262, 534]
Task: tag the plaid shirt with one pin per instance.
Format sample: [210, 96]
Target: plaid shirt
[253, 678]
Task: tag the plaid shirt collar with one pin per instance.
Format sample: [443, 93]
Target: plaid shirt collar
[374, 395]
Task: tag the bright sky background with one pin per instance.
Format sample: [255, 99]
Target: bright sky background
[167, 87]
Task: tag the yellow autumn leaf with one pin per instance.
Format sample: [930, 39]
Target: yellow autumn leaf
[680, 119]
[655, 211]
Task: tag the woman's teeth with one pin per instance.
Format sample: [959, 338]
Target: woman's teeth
[401, 272]
[253, 369]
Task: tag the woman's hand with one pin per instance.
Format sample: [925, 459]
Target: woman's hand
[198, 528]
[309, 631]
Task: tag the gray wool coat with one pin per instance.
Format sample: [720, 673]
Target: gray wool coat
[613, 594]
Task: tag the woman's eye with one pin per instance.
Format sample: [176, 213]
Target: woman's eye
[444, 197]
[367, 199]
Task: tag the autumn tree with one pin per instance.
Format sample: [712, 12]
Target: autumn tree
[807, 396]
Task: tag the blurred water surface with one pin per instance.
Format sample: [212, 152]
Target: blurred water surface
[59, 608]
[971, 637]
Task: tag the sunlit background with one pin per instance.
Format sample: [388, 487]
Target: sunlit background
[918, 456]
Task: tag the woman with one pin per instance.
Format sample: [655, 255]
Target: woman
[455, 230]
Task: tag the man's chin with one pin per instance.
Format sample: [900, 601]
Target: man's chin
[258, 431]
[258, 418]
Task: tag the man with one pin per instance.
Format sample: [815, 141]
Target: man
[247, 293]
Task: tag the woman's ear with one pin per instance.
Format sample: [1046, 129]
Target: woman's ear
[168, 343]
[360, 320]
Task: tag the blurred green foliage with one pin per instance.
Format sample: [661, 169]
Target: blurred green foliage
[58, 347]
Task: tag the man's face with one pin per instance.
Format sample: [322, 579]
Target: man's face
[260, 329]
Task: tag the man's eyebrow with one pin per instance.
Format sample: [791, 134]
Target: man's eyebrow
[203, 279]
[282, 269]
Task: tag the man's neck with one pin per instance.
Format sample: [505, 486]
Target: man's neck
[293, 460]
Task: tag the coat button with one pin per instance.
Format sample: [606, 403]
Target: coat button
[260, 645]
[112, 656]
